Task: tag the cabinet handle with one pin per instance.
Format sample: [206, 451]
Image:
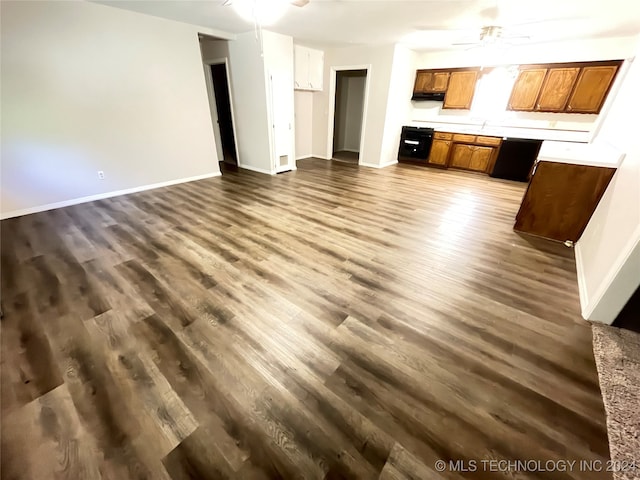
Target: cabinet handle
[311, 84]
[297, 84]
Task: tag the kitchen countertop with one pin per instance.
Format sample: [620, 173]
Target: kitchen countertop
[510, 132]
[591, 154]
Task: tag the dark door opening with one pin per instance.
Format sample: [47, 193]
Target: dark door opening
[348, 112]
[223, 106]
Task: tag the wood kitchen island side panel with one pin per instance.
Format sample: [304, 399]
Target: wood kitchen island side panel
[560, 200]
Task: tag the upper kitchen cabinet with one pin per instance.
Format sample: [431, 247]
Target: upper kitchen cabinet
[308, 68]
[431, 81]
[591, 88]
[556, 89]
[526, 89]
[462, 85]
[567, 88]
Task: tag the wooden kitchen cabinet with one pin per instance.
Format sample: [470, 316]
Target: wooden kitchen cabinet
[563, 87]
[526, 89]
[560, 199]
[470, 157]
[556, 88]
[462, 85]
[431, 81]
[439, 152]
[591, 89]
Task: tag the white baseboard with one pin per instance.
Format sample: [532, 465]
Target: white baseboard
[100, 196]
[304, 157]
[373, 165]
[582, 281]
[256, 169]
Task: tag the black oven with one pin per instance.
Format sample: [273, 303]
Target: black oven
[415, 144]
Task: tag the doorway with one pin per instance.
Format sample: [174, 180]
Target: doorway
[224, 120]
[348, 114]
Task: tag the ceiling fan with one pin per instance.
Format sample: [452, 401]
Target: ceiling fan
[493, 35]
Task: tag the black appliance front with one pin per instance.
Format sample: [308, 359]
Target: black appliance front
[415, 144]
[516, 158]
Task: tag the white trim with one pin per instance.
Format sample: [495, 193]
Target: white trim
[257, 169]
[303, 157]
[588, 307]
[610, 99]
[332, 105]
[100, 196]
[582, 281]
[374, 165]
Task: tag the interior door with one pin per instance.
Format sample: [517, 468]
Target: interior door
[282, 120]
[223, 109]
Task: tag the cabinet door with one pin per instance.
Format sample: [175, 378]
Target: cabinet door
[440, 82]
[591, 89]
[460, 91]
[526, 89]
[480, 158]
[556, 89]
[461, 156]
[439, 152]
[316, 69]
[300, 67]
[560, 200]
[423, 82]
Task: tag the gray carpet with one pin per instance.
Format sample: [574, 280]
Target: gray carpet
[617, 354]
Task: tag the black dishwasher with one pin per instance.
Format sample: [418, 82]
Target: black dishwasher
[415, 144]
[516, 158]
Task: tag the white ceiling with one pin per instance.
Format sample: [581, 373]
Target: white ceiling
[347, 22]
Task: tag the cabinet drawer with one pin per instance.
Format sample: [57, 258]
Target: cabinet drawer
[464, 138]
[442, 136]
[488, 140]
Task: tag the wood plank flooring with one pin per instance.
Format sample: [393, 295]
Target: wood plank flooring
[332, 322]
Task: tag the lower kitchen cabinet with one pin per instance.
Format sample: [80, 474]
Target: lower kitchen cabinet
[439, 152]
[560, 200]
[471, 157]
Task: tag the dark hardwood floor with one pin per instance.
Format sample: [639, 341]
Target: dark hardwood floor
[332, 322]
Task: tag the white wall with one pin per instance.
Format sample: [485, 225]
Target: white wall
[574, 51]
[398, 109]
[303, 101]
[608, 253]
[249, 91]
[86, 87]
[380, 60]
[350, 90]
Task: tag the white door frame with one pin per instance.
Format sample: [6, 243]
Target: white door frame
[332, 106]
[209, 79]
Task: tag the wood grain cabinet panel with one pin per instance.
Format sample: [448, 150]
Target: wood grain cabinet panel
[462, 86]
[439, 152]
[423, 80]
[440, 82]
[443, 135]
[560, 200]
[591, 89]
[470, 157]
[429, 81]
[556, 89]
[526, 89]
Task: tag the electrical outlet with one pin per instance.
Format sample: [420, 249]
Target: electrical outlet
[100, 174]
